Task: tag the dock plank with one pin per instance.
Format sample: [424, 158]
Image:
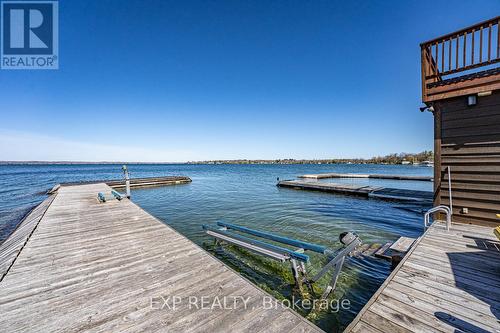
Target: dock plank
[403, 244]
[382, 323]
[12, 246]
[97, 267]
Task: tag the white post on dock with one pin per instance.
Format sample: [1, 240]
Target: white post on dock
[127, 180]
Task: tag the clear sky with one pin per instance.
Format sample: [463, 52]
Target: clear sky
[186, 80]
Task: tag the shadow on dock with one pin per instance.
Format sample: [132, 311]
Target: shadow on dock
[459, 324]
[478, 273]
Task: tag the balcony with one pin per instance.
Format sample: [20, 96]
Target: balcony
[462, 63]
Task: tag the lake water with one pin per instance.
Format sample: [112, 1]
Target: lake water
[248, 195]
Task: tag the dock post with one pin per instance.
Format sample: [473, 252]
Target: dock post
[127, 180]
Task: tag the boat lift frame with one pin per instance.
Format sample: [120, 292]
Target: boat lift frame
[297, 258]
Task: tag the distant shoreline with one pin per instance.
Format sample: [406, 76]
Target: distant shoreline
[202, 163]
[401, 158]
[79, 163]
[185, 163]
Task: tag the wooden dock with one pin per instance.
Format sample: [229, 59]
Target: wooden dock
[378, 192]
[359, 175]
[75, 264]
[134, 182]
[448, 282]
[150, 182]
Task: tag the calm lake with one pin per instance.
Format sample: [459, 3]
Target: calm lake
[248, 195]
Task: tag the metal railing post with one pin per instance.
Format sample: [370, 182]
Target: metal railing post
[449, 190]
[127, 180]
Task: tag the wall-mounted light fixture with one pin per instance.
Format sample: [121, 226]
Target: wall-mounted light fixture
[471, 100]
[484, 93]
[427, 108]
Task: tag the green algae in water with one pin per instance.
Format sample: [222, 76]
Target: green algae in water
[276, 279]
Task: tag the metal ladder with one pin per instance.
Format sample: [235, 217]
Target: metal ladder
[441, 208]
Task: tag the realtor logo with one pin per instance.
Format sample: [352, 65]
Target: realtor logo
[29, 36]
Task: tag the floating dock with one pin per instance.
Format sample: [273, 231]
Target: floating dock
[360, 190]
[448, 282]
[150, 182]
[134, 182]
[75, 264]
[359, 175]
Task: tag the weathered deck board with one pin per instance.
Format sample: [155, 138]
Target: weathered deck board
[12, 246]
[448, 285]
[403, 244]
[95, 267]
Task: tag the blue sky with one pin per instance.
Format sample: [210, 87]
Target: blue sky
[188, 80]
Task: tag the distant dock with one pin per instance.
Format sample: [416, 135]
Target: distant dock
[358, 175]
[75, 265]
[360, 190]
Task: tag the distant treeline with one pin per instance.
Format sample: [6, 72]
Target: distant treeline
[426, 155]
[400, 158]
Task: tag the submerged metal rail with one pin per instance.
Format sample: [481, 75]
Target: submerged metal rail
[273, 251]
[280, 239]
[297, 258]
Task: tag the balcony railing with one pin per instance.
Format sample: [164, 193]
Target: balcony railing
[470, 53]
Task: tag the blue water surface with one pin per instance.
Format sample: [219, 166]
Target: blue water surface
[248, 195]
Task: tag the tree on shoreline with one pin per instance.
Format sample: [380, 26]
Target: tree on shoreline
[397, 158]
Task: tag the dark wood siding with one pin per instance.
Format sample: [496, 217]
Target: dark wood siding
[470, 146]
